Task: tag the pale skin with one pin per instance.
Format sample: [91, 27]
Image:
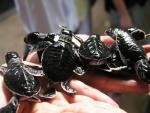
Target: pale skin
[83, 102]
[87, 98]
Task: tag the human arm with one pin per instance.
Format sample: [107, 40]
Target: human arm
[122, 10]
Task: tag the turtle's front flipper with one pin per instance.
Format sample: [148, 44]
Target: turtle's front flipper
[34, 70]
[3, 69]
[79, 71]
[11, 107]
[67, 88]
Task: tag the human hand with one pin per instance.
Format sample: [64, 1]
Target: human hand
[86, 100]
[106, 83]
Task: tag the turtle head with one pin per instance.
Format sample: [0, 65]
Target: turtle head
[66, 35]
[11, 56]
[31, 37]
[142, 68]
[137, 34]
[66, 32]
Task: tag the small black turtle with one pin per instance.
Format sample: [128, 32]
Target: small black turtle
[59, 58]
[94, 50]
[95, 53]
[21, 80]
[132, 54]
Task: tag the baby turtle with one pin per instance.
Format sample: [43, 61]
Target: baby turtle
[132, 54]
[95, 53]
[21, 80]
[94, 50]
[59, 58]
[124, 55]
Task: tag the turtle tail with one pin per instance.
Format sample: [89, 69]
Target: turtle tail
[142, 68]
[12, 106]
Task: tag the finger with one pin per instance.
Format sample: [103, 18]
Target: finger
[148, 55]
[83, 89]
[45, 107]
[79, 99]
[97, 107]
[59, 100]
[33, 107]
[108, 107]
[115, 85]
[4, 93]
[147, 47]
[33, 57]
[24, 107]
[107, 40]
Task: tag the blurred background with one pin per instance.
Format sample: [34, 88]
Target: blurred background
[12, 34]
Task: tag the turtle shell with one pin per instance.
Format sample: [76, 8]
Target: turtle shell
[58, 61]
[20, 82]
[127, 45]
[94, 49]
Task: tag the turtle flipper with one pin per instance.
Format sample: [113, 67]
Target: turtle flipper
[11, 107]
[67, 88]
[79, 71]
[3, 69]
[50, 93]
[34, 70]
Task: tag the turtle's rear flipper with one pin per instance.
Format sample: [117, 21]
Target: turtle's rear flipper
[11, 107]
[67, 88]
[79, 71]
[50, 93]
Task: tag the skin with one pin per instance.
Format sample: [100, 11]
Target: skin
[87, 98]
[83, 102]
[125, 18]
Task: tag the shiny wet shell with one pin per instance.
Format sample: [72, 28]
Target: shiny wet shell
[20, 82]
